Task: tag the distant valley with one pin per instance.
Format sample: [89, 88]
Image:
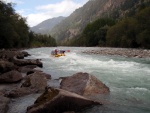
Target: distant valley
[46, 26]
[63, 29]
[67, 30]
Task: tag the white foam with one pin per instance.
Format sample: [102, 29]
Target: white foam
[80, 62]
[93, 62]
[40, 55]
[139, 89]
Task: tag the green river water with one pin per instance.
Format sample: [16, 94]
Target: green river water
[127, 78]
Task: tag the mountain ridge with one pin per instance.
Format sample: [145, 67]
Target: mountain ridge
[45, 26]
[75, 23]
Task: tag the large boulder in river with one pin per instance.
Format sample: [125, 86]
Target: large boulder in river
[6, 66]
[36, 80]
[83, 84]
[10, 77]
[59, 101]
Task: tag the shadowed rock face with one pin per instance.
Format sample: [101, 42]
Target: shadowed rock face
[58, 101]
[10, 77]
[84, 84]
[6, 66]
[4, 104]
[18, 92]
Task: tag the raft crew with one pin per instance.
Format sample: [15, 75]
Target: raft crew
[58, 53]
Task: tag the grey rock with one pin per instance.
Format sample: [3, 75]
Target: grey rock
[84, 84]
[10, 77]
[58, 101]
[4, 104]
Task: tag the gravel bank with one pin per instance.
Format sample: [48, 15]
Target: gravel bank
[137, 53]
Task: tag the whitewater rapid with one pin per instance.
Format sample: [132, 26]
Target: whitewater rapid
[127, 78]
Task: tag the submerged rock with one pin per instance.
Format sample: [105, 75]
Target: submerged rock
[59, 101]
[83, 84]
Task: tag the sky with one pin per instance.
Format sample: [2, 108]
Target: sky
[36, 11]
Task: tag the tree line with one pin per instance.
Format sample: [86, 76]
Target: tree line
[15, 33]
[132, 31]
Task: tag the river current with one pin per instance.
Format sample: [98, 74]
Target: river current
[127, 78]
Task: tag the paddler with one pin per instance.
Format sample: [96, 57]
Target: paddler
[56, 51]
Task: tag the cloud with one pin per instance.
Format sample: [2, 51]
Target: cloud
[65, 7]
[34, 19]
[43, 12]
[37, 14]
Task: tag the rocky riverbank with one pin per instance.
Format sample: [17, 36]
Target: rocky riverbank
[19, 78]
[137, 53]
[13, 71]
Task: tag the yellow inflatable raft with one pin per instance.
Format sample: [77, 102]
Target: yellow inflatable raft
[58, 55]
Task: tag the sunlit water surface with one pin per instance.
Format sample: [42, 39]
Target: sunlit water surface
[127, 78]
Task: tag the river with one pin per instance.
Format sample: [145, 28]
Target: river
[127, 78]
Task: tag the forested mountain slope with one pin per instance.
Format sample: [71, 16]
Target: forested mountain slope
[74, 24]
[130, 30]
